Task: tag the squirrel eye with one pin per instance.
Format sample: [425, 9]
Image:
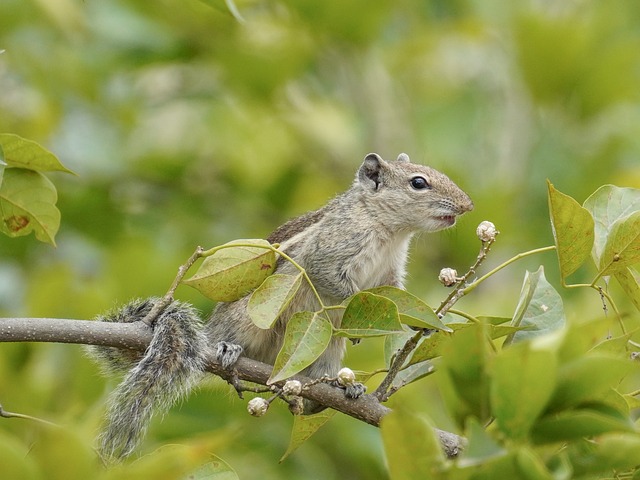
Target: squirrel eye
[419, 183]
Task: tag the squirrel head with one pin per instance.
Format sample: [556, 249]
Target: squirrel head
[416, 197]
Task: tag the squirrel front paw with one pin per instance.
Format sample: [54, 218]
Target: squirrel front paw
[227, 353]
[354, 390]
[347, 379]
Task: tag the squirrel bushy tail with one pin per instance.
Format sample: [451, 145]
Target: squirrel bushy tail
[169, 368]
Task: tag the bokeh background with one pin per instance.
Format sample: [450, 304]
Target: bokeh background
[194, 123]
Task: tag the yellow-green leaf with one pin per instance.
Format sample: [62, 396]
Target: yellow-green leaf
[578, 423]
[271, 298]
[413, 311]
[234, 270]
[217, 469]
[306, 337]
[622, 248]
[465, 367]
[614, 452]
[16, 462]
[586, 378]
[481, 446]
[539, 309]
[628, 280]
[28, 204]
[411, 446]
[23, 153]
[369, 315]
[607, 205]
[519, 388]
[304, 426]
[572, 227]
[63, 453]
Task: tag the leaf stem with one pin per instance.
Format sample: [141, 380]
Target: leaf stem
[474, 284]
[162, 303]
[604, 295]
[5, 414]
[462, 314]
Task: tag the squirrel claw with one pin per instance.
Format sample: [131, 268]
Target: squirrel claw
[227, 353]
[355, 390]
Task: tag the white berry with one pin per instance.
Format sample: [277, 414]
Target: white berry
[448, 277]
[486, 231]
[257, 406]
[292, 387]
[346, 377]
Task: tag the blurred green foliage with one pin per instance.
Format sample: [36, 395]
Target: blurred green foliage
[189, 126]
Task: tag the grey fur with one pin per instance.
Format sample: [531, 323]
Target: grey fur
[359, 240]
[168, 370]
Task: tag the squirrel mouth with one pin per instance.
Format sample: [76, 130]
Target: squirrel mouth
[447, 219]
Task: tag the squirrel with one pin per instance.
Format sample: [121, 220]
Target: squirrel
[359, 240]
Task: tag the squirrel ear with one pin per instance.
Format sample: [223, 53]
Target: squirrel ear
[369, 172]
[403, 157]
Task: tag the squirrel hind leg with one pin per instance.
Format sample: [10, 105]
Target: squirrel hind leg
[227, 354]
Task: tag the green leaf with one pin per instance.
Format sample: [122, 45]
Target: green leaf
[481, 446]
[493, 468]
[614, 345]
[271, 298]
[612, 452]
[393, 343]
[531, 466]
[63, 453]
[607, 205]
[3, 164]
[412, 373]
[218, 469]
[523, 380]
[579, 337]
[493, 320]
[411, 446]
[586, 378]
[306, 337]
[539, 309]
[613, 399]
[572, 227]
[16, 462]
[23, 153]
[28, 204]
[431, 346]
[622, 248]
[233, 271]
[413, 311]
[574, 424]
[369, 315]
[178, 461]
[304, 426]
[628, 280]
[465, 364]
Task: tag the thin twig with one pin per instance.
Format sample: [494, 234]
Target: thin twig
[459, 289]
[382, 393]
[161, 304]
[396, 366]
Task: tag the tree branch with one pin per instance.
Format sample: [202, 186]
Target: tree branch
[136, 336]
